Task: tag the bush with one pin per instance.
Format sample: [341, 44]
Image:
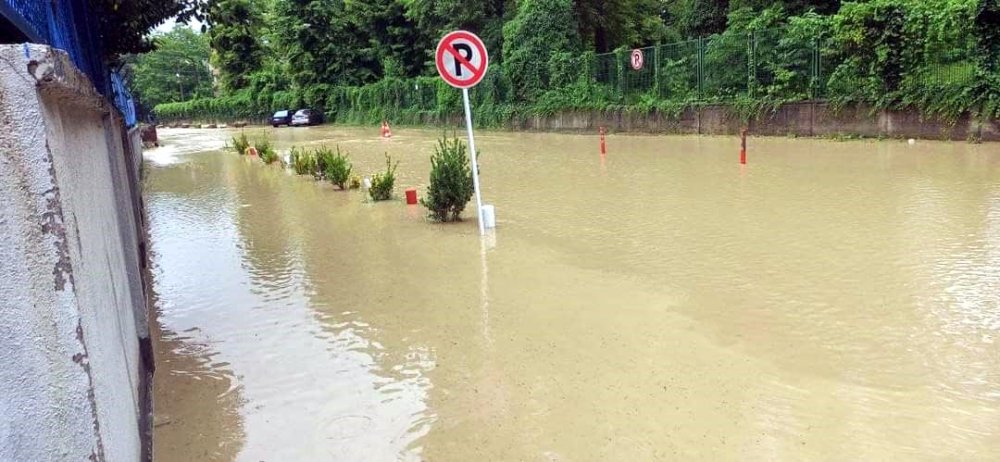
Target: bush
[241, 143]
[338, 169]
[451, 181]
[383, 182]
[324, 157]
[303, 162]
[355, 182]
[266, 151]
[539, 29]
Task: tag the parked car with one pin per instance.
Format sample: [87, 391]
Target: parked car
[307, 117]
[282, 118]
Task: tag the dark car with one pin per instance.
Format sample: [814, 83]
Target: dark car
[307, 117]
[282, 118]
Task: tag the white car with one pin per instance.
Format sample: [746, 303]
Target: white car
[307, 117]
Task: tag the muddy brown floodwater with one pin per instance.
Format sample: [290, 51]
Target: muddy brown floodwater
[831, 300]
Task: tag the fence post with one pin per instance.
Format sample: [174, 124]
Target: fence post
[701, 67]
[751, 66]
[820, 87]
[813, 72]
[656, 70]
[620, 74]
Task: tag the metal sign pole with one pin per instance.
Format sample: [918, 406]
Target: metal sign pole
[475, 163]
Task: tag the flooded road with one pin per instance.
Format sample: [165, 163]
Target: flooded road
[828, 301]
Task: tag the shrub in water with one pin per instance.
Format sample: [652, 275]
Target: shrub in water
[451, 181]
[383, 182]
[303, 162]
[355, 182]
[266, 151]
[241, 143]
[338, 169]
[324, 157]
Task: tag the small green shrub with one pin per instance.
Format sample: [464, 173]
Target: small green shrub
[338, 169]
[451, 181]
[324, 157]
[303, 162]
[241, 143]
[383, 182]
[355, 182]
[266, 151]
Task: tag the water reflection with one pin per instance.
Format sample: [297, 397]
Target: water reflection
[313, 384]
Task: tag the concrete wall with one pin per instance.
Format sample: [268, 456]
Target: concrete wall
[74, 335]
[809, 118]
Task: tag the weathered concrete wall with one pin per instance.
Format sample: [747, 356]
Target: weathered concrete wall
[74, 336]
[809, 118]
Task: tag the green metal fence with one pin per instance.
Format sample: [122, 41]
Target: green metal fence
[771, 64]
[763, 63]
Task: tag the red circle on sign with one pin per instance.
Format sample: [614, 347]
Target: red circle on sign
[446, 45]
[637, 59]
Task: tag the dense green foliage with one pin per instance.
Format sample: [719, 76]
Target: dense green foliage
[541, 30]
[451, 185]
[241, 143]
[384, 182]
[234, 37]
[364, 62]
[124, 24]
[175, 71]
[338, 169]
[266, 150]
[302, 162]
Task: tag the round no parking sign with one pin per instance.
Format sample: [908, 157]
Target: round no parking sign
[461, 59]
[637, 59]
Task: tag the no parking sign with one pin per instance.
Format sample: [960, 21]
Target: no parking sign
[462, 61]
[637, 59]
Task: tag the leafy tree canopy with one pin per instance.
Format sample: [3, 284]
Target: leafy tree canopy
[175, 71]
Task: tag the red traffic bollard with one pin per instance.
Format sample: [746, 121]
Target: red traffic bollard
[411, 196]
[604, 146]
[743, 146]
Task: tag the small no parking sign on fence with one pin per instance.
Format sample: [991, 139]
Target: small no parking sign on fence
[637, 59]
[462, 60]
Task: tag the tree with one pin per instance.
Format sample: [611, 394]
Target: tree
[987, 16]
[175, 71]
[235, 31]
[988, 49]
[610, 24]
[540, 29]
[400, 47]
[699, 18]
[324, 47]
[483, 17]
[123, 24]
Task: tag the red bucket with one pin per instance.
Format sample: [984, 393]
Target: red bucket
[411, 196]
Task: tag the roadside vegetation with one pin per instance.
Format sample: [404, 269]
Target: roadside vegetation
[241, 143]
[363, 62]
[384, 182]
[451, 185]
[338, 167]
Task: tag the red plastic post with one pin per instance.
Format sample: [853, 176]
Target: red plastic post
[411, 196]
[604, 146]
[743, 146]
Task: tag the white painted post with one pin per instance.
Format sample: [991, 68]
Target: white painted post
[475, 163]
